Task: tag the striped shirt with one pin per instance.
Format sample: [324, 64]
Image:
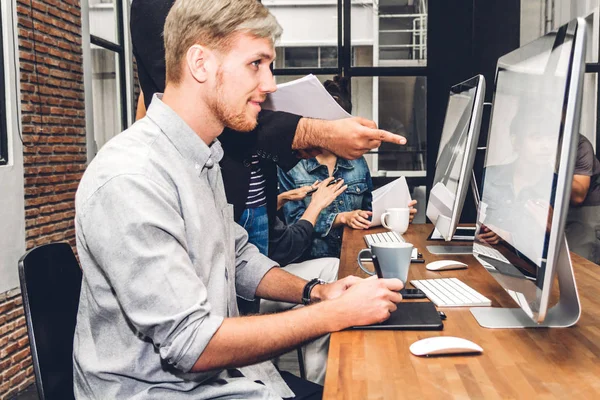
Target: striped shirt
[256, 192]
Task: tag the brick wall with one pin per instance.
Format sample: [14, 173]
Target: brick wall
[53, 128]
[16, 371]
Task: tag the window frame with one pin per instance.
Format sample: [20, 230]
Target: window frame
[4, 153]
[124, 70]
[118, 48]
[12, 176]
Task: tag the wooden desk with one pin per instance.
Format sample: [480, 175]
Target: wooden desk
[516, 363]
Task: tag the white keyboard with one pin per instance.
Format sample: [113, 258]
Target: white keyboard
[451, 292]
[489, 252]
[383, 237]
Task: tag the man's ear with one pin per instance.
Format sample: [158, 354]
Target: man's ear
[196, 60]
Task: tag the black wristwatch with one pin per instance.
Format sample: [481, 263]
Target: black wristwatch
[308, 288]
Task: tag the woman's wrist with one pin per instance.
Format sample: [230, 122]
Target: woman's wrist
[281, 200]
[340, 219]
[314, 208]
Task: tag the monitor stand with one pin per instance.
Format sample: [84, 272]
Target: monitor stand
[450, 250]
[461, 233]
[458, 235]
[564, 314]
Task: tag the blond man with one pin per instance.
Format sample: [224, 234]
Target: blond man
[162, 258]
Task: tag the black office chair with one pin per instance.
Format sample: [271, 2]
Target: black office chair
[50, 283]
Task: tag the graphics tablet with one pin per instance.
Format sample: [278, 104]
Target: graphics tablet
[411, 316]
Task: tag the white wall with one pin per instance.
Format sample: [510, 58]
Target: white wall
[311, 24]
[102, 20]
[531, 20]
[12, 207]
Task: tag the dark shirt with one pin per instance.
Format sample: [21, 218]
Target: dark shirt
[271, 140]
[147, 23]
[587, 164]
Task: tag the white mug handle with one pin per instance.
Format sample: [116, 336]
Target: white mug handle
[385, 214]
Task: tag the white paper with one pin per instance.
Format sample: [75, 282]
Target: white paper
[307, 97]
[393, 195]
[441, 203]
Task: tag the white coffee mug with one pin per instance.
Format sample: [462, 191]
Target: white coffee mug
[394, 259]
[396, 219]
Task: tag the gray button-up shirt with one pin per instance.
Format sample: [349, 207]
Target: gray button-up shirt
[162, 262]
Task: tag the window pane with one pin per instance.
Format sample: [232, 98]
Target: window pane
[301, 57]
[538, 17]
[398, 105]
[592, 37]
[396, 31]
[328, 57]
[362, 56]
[3, 111]
[105, 92]
[306, 26]
[3, 108]
[103, 19]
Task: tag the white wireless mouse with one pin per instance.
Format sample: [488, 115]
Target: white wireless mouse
[440, 345]
[443, 265]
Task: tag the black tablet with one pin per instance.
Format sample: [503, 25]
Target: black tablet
[411, 316]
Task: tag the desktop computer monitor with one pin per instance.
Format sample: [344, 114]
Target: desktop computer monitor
[527, 179]
[454, 164]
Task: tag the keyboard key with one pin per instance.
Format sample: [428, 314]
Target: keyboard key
[384, 237]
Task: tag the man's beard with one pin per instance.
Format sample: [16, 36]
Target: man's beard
[240, 122]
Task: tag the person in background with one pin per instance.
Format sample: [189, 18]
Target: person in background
[353, 208]
[583, 220]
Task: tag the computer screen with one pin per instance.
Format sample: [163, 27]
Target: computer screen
[529, 166]
[456, 154]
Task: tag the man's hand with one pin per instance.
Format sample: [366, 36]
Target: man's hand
[348, 138]
[413, 210]
[366, 302]
[333, 290]
[487, 235]
[357, 219]
[491, 234]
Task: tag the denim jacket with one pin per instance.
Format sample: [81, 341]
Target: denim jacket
[327, 241]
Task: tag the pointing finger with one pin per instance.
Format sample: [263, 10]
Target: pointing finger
[389, 137]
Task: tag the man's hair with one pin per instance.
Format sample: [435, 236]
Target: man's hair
[212, 23]
[339, 89]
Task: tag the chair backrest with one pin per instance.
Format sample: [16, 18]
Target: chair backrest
[50, 284]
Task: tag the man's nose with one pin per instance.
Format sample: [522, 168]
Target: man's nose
[267, 84]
